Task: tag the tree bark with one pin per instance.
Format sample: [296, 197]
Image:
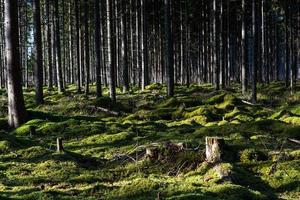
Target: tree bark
[169, 50]
[58, 51]
[38, 67]
[16, 107]
[97, 48]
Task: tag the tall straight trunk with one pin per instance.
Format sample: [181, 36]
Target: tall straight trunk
[254, 67]
[111, 49]
[214, 47]
[144, 44]
[71, 61]
[287, 52]
[169, 50]
[97, 48]
[49, 43]
[181, 45]
[16, 107]
[186, 57]
[124, 49]
[58, 51]
[87, 47]
[262, 58]
[38, 67]
[243, 48]
[78, 45]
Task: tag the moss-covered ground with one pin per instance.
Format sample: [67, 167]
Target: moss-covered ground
[104, 155]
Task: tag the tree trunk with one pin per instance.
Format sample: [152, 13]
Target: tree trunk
[38, 67]
[49, 49]
[87, 47]
[243, 48]
[169, 50]
[78, 45]
[124, 49]
[16, 107]
[97, 48]
[58, 51]
[111, 49]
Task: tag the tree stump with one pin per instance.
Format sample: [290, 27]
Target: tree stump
[59, 143]
[32, 131]
[214, 149]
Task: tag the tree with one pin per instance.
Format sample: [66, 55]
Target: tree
[16, 107]
[87, 46]
[97, 48]
[49, 49]
[254, 67]
[169, 50]
[39, 54]
[243, 48]
[78, 45]
[124, 49]
[111, 49]
[58, 51]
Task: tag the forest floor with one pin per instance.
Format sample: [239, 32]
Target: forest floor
[104, 155]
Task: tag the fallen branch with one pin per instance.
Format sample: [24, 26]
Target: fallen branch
[294, 140]
[249, 103]
[96, 108]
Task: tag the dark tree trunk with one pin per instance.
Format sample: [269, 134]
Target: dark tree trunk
[38, 67]
[16, 107]
[254, 67]
[87, 47]
[111, 49]
[169, 50]
[124, 49]
[49, 49]
[78, 45]
[97, 48]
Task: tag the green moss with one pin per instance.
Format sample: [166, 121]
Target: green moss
[295, 120]
[295, 154]
[33, 152]
[4, 146]
[154, 86]
[251, 155]
[216, 99]
[23, 130]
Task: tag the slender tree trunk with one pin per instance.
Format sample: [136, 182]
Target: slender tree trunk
[78, 56]
[38, 67]
[254, 71]
[111, 49]
[58, 51]
[243, 48]
[97, 48]
[124, 49]
[49, 49]
[215, 46]
[87, 47]
[169, 50]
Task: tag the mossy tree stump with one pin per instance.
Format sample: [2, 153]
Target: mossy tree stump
[59, 144]
[214, 149]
